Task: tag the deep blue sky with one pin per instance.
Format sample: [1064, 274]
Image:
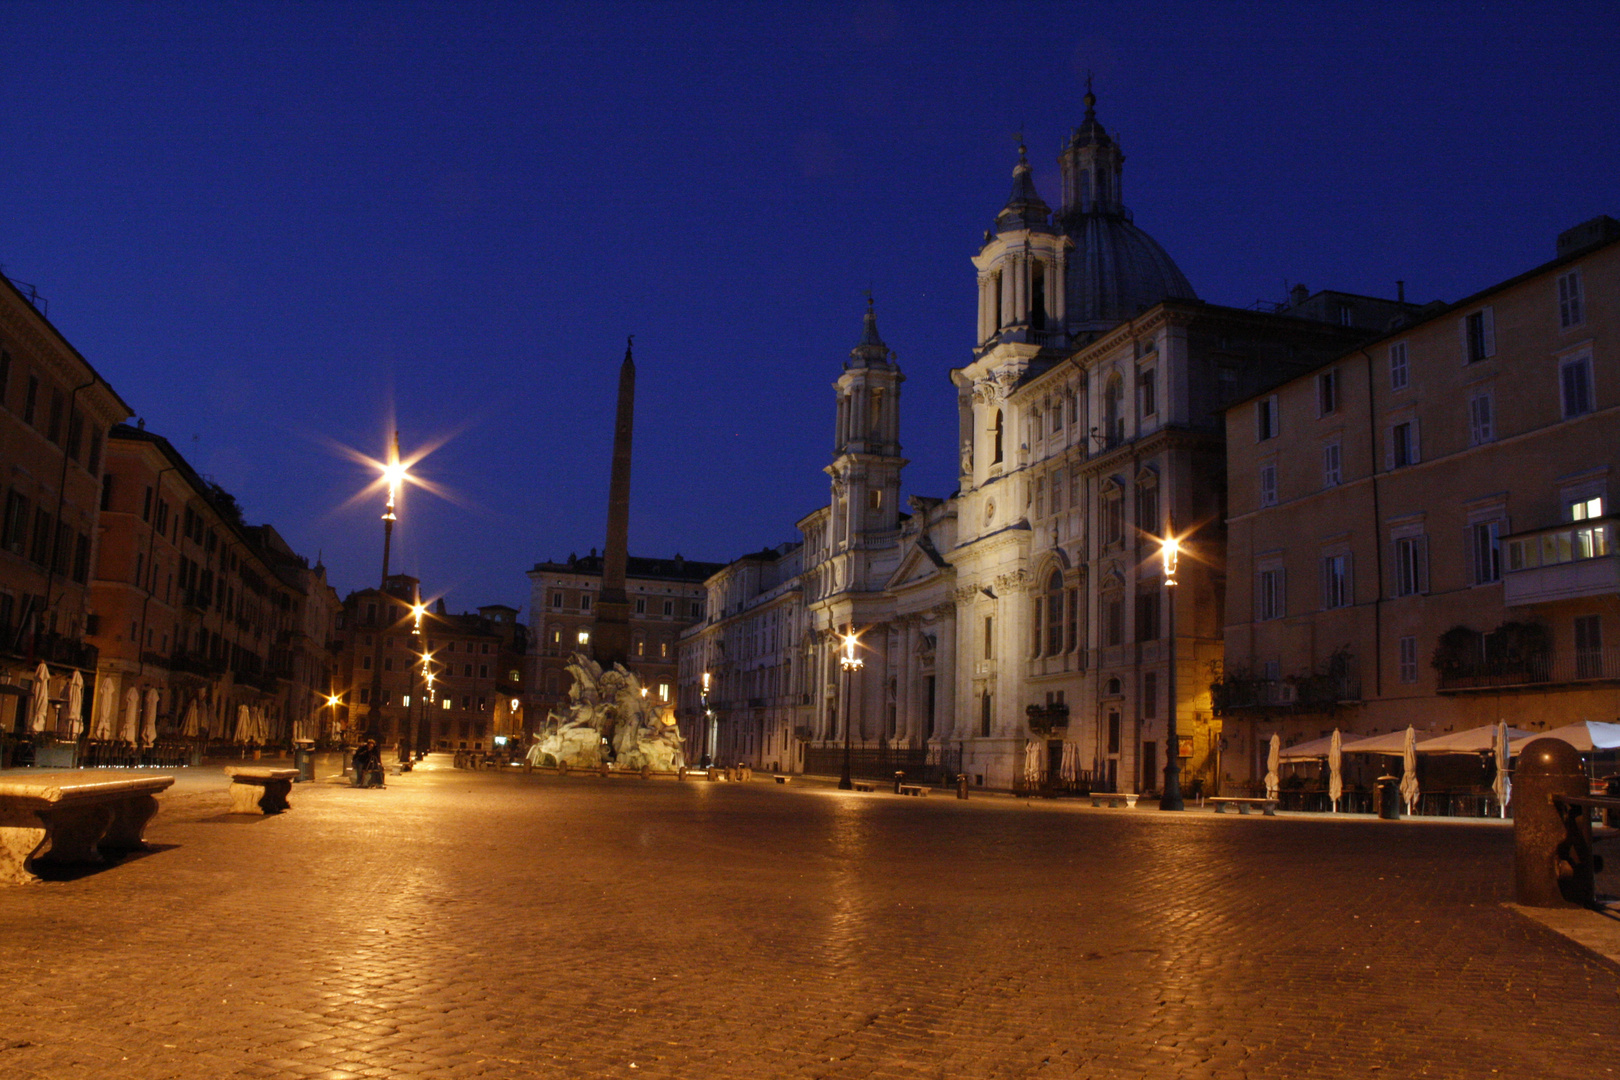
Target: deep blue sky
[268, 224]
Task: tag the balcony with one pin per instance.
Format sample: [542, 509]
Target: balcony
[1564, 562]
[1548, 667]
[1044, 719]
[1338, 685]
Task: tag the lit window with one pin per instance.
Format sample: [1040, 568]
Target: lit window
[584, 637]
[446, 704]
[1586, 508]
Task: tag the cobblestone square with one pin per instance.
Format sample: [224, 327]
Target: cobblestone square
[501, 925]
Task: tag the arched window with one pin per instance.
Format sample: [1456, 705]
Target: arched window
[997, 431]
[1054, 613]
[1037, 295]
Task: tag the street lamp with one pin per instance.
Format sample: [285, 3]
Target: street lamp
[703, 699]
[393, 475]
[409, 751]
[848, 664]
[1170, 549]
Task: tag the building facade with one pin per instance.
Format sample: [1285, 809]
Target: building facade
[55, 412]
[1422, 530]
[192, 607]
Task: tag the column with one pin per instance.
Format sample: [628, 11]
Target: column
[1058, 287]
[1007, 293]
[904, 694]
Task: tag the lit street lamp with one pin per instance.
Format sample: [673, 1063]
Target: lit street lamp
[1170, 549]
[848, 664]
[393, 475]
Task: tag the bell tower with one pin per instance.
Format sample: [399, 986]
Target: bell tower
[866, 463]
[1092, 165]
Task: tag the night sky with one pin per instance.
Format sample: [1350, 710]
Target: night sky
[274, 226]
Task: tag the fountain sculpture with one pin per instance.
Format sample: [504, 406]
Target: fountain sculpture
[610, 718]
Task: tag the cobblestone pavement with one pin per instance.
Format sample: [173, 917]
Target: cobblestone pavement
[477, 924]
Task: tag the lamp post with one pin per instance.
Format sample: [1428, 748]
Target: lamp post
[393, 476]
[703, 699]
[426, 696]
[1170, 549]
[848, 663]
[407, 744]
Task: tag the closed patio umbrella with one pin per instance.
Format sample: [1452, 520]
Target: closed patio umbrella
[1335, 770]
[149, 728]
[1409, 780]
[105, 724]
[39, 706]
[1033, 762]
[1273, 763]
[1503, 786]
[130, 726]
[189, 729]
[244, 725]
[1071, 757]
[75, 705]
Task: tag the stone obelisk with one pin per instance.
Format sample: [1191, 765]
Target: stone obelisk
[610, 633]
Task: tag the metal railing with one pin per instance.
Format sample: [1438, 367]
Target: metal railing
[922, 765]
[1551, 666]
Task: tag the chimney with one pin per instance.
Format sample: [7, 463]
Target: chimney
[1587, 235]
[1400, 292]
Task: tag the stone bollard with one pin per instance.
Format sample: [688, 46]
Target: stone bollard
[961, 785]
[1546, 873]
[646, 772]
[603, 769]
[899, 778]
[562, 768]
[680, 774]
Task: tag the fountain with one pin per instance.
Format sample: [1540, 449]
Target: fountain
[610, 718]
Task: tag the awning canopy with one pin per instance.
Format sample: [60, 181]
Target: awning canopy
[1585, 736]
[1480, 740]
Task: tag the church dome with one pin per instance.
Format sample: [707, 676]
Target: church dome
[1117, 270]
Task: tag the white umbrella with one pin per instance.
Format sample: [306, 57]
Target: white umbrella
[132, 715]
[1409, 783]
[39, 706]
[1335, 766]
[1503, 786]
[106, 709]
[75, 704]
[1034, 762]
[244, 725]
[1273, 762]
[1071, 760]
[149, 728]
[189, 728]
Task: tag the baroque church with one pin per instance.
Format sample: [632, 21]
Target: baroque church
[1019, 630]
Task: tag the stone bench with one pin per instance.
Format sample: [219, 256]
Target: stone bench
[1114, 798]
[259, 789]
[913, 789]
[82, 815]
[862, 786]
[1265, 806]
[780, 779]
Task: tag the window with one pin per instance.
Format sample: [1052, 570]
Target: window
[989, 638]
[1054, 614]
[1569, 300]
[5, 375]
[1114, 619]
[1327, 392]
[1479, 336]
[1265, 418]
[1576, 379]
[1271, 601]
[16, 522]
[1588, 646]
[1485, 546]
[483, 671]
[466, 671]
[584, 601]
[1150, 695]
[984, 714]
[1397, 366]
[1585, 509]
[1147, 613]
[1403, 444]
[365, 695]
[1113, 410]
[641, 605]
[556, 600]
[1147, 395]
[444, 704]
[31, 401]
[1113, 515]
[1409, 670]
[1268, 485]
[669, 607]
[997, 429]
[1057, 491]
[1147, 508]
[1411, 565]
[1332, 474]
[1336, 581]
[1481, 421]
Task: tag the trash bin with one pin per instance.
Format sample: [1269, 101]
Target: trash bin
[899, 778]
[304, 762]
[1389, 797]
[961, 785]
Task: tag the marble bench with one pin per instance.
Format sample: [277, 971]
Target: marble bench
[913, 789]
[82, 815]
[259, 789]
[1267, 807]
[1114, 798]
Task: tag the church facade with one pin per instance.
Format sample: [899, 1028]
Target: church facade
[1018, 629]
